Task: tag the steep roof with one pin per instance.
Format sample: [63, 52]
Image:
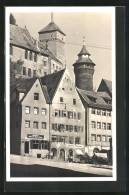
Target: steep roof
[25, 84]
[84, 51]
[51, 27]
[21, 37]
[90, 96]
[52, 81]
[105, 85]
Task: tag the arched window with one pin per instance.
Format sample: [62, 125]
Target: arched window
[35, 57]
[26, 54]
[30, 55]
[11, 50]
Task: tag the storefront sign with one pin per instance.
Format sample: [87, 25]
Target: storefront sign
[35, 136]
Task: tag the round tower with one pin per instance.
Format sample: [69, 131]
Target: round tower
[84, 70]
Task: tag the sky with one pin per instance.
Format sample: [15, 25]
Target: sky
[95, 26]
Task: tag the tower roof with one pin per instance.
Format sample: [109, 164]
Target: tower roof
[84, 51]
[51, 27]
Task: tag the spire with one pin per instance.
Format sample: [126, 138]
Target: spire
[51, 16]
[84, 50]
[84, 40]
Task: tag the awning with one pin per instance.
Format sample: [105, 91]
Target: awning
[79, 151]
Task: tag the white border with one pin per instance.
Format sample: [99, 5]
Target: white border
[9, 10]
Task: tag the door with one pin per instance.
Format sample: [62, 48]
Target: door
[62, 154]
[27, 147]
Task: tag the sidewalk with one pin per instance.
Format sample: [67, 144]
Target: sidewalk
[85, 168]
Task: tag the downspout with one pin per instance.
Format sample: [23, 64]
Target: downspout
[49, 131]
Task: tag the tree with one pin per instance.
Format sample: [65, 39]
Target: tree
[12, 19]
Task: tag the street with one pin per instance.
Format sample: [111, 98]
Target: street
[22, 166]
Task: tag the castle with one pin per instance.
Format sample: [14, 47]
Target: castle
[48, 113]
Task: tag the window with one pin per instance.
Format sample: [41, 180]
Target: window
[109, 126]
[54, 138]
[29, 72]
[61, 139]
[93, 137]
[30, 55]
[44, 111]
[76, 128]
[108, 113]
[11, 50]
[43, 125]
[63, 89]
[98, 138]
[108, 138]
[35, 125]
[98, 112]
[27, 124]
[98, 125]
[70, 128]
[36, 110]
[61, 99]
[77, 140]
[36, 96]
[92, 124]
[35, 144]
[45, 63]
[26, 54]
[35, 57]
[92, 111]
[44, 145]
[103, 125]
[34, 73]
[79, 115]
[56, 113]
[103, 112]
[74, 101]
[24, 70]
[103, 138]
[54, 126]
[70, 115]
[64, 113]
[61, 127]
[27, 110]
[45, 73]
[71, 140]
[74, 115]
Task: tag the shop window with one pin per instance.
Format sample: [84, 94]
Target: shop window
[103, 125]
[98, 125]
[35, 125]
[93, 137]
[36, 96]
[24, 70]
[103, 138]
[77, 140]
[11, 50]
[98, 138]
[108, 113]
[27, 110]
[29, 72]
[61, 100]
[35, 144]
[26, 54]
[93, 124]
[74, 101]
[36, 110]
[71, 140]
[43, 125]
[44, 111]
[98, 112]
[54, 138]
[103, 112]
[92, 111]
[108, 126]
[44, 145]
[27, 124]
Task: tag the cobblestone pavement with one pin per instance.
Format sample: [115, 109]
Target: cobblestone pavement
[85, 168]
